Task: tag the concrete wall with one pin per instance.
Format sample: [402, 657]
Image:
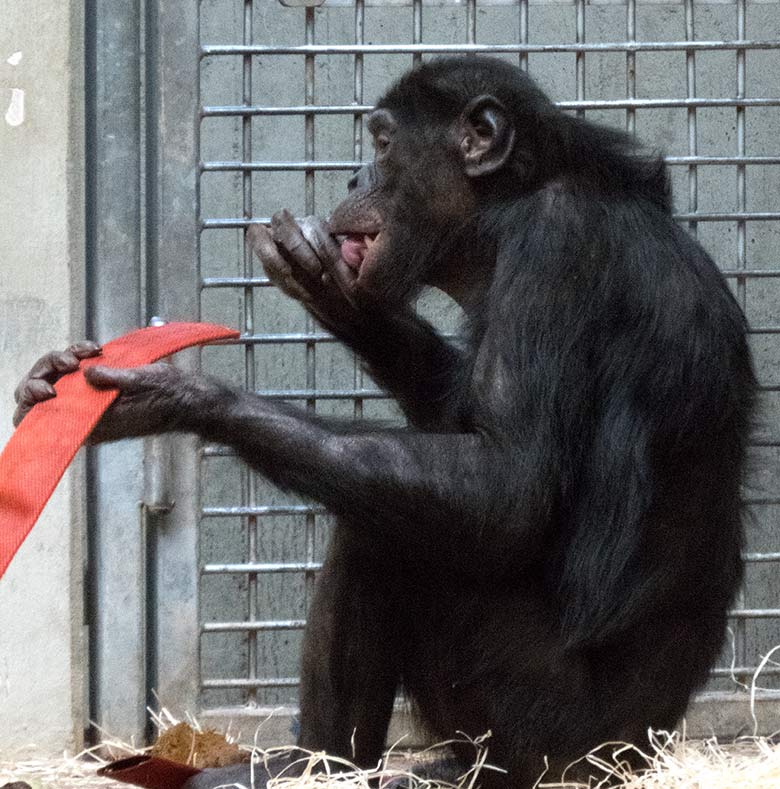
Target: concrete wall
[42, 650]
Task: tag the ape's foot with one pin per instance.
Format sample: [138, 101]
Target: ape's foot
[250, 776]
[246, 776]
[444, 770]
[241, 775]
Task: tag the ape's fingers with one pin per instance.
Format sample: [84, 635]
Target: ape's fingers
[261, 241]
[29, 393]
[342, 275]
[266, 251]
[335, 270]
[85, 349]
[279, 271]
[294, 246]
[112, 378]
[329, 252]
[315, 231]
[53, 366]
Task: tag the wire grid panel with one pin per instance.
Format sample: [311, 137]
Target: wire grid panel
[283, 94]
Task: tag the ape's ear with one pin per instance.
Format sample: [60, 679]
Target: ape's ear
[486, 136]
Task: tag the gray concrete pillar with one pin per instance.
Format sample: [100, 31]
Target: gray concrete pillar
[42, 644]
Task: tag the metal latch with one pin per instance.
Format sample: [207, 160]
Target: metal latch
[158, 460]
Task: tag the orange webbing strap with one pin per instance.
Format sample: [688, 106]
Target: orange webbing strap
[40, 450]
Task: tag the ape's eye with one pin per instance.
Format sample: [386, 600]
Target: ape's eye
[381, 143]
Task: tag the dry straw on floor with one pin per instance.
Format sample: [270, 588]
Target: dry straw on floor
[67, 773]
[752, 763]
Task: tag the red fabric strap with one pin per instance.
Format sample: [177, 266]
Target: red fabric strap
[37, 454]
[150, 772]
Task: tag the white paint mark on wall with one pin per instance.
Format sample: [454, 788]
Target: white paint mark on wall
[14, 115]
[15, 59]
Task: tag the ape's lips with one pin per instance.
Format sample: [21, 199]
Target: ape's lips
[357, 249]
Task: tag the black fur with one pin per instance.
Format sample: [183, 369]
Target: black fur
[550, 551]
[553, 556]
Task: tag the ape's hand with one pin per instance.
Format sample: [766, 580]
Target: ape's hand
[155, 398]
[152, 399]
[38, 384]
[305, 262]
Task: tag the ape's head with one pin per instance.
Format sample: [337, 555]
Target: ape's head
[451, 138]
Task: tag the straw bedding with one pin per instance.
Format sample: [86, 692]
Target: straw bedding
[752, 763]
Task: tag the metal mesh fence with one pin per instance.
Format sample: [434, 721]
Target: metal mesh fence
[283, 93]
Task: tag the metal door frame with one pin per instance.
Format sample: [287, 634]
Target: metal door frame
[142, 62]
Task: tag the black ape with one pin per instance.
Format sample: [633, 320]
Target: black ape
[550, 551]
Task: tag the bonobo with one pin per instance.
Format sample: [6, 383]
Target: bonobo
[549, 550]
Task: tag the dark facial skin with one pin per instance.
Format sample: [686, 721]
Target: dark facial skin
[549, 551]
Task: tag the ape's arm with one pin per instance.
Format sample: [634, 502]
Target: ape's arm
[456, 498]
[405, 354]
[407, 357]
[447, 498]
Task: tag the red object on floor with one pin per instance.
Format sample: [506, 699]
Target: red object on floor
[151, 772]
[39, 451]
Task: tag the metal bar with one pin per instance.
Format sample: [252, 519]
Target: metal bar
[222, 451]
[311, 394]
[254, 684]
[290, 567]
[523, 33]
[299, 567]
[740, 672]
[579, 59]
[721, 160]
[348, 166]
[273, 167]
[261, 510]
[690, 79]
[471, 22]
[416, 30]
[741, 645]
[299, 337]
[282, 339]
[302, 337]
[754, 613]
[261, 568]
[357, 148]
[607, 104]
[174, 270]
[253, 626]
[631, 65]
[218, 50]
[711, 216]
[311, 347]
[741, 186]
[762, 557]
[297, 624]
[115, 207]
[248, 481]
[235, 282]
[754, 273]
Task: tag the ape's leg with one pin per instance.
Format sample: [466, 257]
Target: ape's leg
[501, 664]
[350, 665]
[351, 652]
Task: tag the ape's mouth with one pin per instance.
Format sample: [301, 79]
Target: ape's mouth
[359, 250]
